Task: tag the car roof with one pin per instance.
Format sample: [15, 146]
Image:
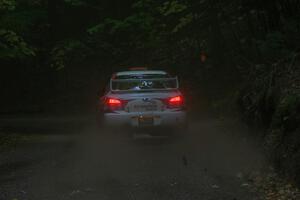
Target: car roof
[141, 72]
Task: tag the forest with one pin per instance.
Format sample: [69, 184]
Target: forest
[239, 56]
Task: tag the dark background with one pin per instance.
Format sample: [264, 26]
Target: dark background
[233, 56]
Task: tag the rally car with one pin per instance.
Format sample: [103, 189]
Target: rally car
[143, 99]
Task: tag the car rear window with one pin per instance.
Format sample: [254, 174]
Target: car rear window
[138, 84]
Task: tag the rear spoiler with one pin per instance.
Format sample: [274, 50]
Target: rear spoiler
[149, 79]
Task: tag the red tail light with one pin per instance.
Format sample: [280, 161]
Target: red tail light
[113, 102]
[176, 101]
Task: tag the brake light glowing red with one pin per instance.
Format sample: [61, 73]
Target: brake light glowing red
[176, 101]
[113, 102]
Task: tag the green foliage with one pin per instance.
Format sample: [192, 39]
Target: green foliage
[96, 28]
[245, 31]
[15, 24]
[272, 99]
[286, 116]
[75, 2]
[7, 5]
[22, 21]
[68, 52]
[13, 46]
[135, 33]
[273, 46]
[143, 4]
[172, 7]
[183, 22]
[139, 21]
[282, 140]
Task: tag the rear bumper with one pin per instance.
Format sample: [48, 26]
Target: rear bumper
[160, 119]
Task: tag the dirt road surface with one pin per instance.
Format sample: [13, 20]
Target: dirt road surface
[72, 158]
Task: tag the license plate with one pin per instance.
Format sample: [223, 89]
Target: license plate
[146, 121]
[146, 107]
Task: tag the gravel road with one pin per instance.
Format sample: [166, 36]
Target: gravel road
[72, 158]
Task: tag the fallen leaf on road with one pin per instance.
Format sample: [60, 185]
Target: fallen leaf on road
[245, 185]
[239, 175]
[75, 192]
[89, 190]
[172, 184]
[215, 186]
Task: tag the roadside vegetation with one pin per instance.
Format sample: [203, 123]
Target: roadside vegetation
[9, 141]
